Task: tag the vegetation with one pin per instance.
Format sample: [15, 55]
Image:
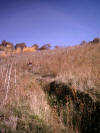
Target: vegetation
[54, 91]
[77, 109]
[20, 45]
[18, 118]
[45, 47]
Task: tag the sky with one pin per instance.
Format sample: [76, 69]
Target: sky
[58, 22]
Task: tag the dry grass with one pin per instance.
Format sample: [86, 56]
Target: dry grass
[2, 54]
[29, 49]
[80, 62]
[78, 67]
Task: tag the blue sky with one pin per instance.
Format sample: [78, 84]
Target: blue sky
[59, 22]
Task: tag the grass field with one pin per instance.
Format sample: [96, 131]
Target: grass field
[56, 91]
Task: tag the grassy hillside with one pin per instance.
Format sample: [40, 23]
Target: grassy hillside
[56, 91]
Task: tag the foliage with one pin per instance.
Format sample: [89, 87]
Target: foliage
[78, 111]
[83, 42]
[20, 45]
[3, 43]
[96, 40]
[25, 121]
[35, 46]
[57, 46]
[45, 47]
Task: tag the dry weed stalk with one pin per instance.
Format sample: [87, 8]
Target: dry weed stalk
[15, 78]
[6, 77]
[7, 90]
[2, 72]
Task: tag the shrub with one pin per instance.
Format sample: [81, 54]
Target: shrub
[45, 47]
[95, 40]
[83, 42]
[57, 46]
[20, 45]
[35, 46]
[4, 43]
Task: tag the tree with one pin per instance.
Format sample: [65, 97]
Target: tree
[96, 40]
[20, 45]
[35, 46]
[45, 47]
[3, 43]
[1, 47]
[83, 42]
[9, 45]
[57, 46]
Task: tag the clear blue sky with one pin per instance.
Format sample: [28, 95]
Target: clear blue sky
[59, 22]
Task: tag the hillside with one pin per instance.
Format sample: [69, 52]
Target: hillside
[51, 91]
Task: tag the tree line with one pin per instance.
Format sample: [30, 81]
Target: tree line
[5, 44]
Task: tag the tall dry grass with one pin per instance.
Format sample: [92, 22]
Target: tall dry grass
[77, 66]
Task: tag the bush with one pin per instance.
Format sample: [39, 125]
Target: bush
[35, 46]
[83, 42]
[20, 45]
[57, 46]
[3, 43]
[45, 47]
[96, 40]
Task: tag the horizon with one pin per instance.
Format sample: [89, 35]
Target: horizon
[62, 22]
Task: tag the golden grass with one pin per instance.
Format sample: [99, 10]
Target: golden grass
[29, 49]
[78, 67]
[2, 54]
